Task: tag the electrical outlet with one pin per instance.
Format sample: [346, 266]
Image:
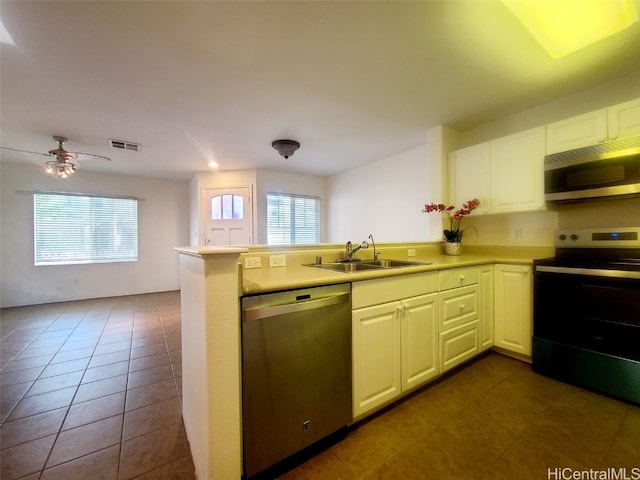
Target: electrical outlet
[411, 252]
[277, 260]
[252, 262]
[517, 233]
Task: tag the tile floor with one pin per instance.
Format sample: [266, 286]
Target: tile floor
[90, 390]
[493, 419]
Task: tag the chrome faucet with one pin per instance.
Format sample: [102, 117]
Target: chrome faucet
[350, 249]
[375, 252]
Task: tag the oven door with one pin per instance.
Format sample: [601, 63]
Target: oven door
[592, 309]
[587, 328]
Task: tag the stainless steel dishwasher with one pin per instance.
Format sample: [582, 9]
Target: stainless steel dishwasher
[296, 371]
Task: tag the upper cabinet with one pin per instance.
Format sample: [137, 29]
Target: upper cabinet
[618, 121]
[517, 161]
[624, 119]
[579, 131]
[506, 174]
[470, 176]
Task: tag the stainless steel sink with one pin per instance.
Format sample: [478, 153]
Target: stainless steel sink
[386, 263]
[358, 266]
[345, 267]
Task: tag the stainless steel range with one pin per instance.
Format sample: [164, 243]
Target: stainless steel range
[586, 328]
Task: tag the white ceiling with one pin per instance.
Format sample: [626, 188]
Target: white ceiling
[194, 81]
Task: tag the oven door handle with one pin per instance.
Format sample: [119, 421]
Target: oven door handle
[594, 272]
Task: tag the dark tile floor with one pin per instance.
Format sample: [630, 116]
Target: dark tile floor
[493, 419]
[90, 390]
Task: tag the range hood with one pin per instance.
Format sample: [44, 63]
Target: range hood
[607, 169]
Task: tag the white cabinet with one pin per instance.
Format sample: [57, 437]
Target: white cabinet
[506, 174]
[618, 121]
[458, 325]
[517, 168]
[470, 176]
[418, 340]
[394, 342]
[486, 295]
[624, 119]
[376, 357]
[458, 345]
[513, 308]
[579, 131]
[409, 329]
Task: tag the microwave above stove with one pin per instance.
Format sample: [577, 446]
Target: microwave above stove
[603, 170]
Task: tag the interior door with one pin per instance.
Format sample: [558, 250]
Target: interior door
[228, 216]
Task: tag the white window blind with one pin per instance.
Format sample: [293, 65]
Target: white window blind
[78, 228]
[292, 219]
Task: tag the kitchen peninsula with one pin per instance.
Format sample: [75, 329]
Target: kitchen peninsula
[212, 281]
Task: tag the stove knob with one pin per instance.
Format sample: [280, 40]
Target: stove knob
[574, 237]
[562, 237]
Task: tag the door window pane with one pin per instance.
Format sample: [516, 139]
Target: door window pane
[227, 207]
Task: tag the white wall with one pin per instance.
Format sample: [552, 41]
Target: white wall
[163, 223]
[383, 198]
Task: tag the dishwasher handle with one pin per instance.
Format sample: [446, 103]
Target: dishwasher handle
[259, 313]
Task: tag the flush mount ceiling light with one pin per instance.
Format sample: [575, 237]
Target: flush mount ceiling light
[565, 26]
[286, 148]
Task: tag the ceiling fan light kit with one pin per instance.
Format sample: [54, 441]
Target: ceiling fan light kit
[62, 166]
[60, 169]
[286, 148]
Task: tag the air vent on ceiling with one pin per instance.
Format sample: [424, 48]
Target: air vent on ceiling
[124, 145]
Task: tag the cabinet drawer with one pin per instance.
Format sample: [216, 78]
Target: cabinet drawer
[383, 290]
[458, 345]
[458, 306]
[458, 277]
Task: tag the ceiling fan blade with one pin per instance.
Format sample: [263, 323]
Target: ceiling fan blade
[27, 151]
[90, 156]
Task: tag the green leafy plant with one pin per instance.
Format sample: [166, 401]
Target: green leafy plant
[455, 232]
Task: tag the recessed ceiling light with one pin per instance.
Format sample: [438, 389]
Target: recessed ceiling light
[565, 26]
[213, 164]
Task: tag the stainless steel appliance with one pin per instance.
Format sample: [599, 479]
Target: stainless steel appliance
[296, 371]
[586, 328]
[603, 170]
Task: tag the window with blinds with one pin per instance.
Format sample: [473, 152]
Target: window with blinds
[292, 219]
[77, 228]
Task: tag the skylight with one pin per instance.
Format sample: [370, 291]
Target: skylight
[566, 26]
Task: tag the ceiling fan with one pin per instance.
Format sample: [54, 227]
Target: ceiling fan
[62, 165]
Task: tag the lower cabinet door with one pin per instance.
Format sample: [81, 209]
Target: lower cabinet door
[513, 308]
[376, 356]
[458, 345]
[419, 340]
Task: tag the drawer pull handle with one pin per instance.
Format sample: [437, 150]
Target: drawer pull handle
[462, 306]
